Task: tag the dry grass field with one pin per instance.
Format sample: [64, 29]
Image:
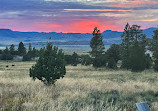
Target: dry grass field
[82, 89]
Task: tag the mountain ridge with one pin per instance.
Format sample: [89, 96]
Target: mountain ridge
[109, 37]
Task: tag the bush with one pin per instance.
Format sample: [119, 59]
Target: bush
[6, 55]
[26, 58]
[74, 59]
[85, 60]
[137, 58]
[68, 59]
[113, 55]
[148, 61]
[111, 63]
[100, 61]
[50, 65]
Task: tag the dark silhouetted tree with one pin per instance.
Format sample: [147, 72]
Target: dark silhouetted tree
[97, 47]
[12, 50]
[137, 54]
[34, 52]
[6, 54]
[21, 49]
[148, 61]
[1, 51]
[100, 60]
[30, 50]
[26, 57]
[127, 40]
[50, 65]
[113, 55]
[74, 59]
[155, 49]
[68, 59]
[86, 60]
[137, 58]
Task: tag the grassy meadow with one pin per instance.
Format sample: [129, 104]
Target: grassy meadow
[84, 88]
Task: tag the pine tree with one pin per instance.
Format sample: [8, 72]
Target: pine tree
[74, 59]
[127, 40]
[34, 52]
[155, 49]
[148, 61]
[97, 47]
[6, 54]
[21, 49]
[12, 49]
[86, 60]
[137, 54]
[137, 58]
[30, 50]
[29, 54]
[68, 59]
[1, 51]
[50, 65]
[113, 55]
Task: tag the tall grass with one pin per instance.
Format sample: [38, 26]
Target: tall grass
[82, 89]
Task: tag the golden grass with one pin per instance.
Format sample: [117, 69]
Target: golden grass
[19, 92]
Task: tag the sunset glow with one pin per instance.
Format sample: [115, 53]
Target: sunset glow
[76, 16]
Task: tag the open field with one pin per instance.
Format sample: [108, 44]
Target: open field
[82, 89]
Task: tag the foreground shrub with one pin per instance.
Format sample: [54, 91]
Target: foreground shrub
[50, 66]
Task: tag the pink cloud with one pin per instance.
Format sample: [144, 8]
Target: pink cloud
[52, 25]
[135, 3]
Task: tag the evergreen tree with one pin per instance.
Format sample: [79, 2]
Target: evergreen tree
[100, 60]
[12, 49]
[74, 59]
[148, 61]
[112, 63]
[127, 40]
[21, 49]
[155, 49]
[113, 55]
[68, 59]
[30, 50]
[6, 54]
[86, 60]
[41, 51]
[29, 54]
[50, 66]
[1, 51]
[1, 54]
[97, 47]
[34, 52]
[137, 58]
[137, 54]
[26, 57]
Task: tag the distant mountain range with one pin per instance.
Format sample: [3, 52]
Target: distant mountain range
[8, 37]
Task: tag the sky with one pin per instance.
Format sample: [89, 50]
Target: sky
[76, 16]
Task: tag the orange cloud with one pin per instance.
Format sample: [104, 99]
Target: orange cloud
[134, 3]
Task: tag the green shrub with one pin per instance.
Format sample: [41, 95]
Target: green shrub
[50, 65]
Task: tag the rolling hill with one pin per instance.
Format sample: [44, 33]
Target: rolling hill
[8, 37]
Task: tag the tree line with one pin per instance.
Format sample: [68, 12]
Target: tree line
[132, 52]
[10, 52]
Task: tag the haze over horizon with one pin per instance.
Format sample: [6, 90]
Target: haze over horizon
[76, 16]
